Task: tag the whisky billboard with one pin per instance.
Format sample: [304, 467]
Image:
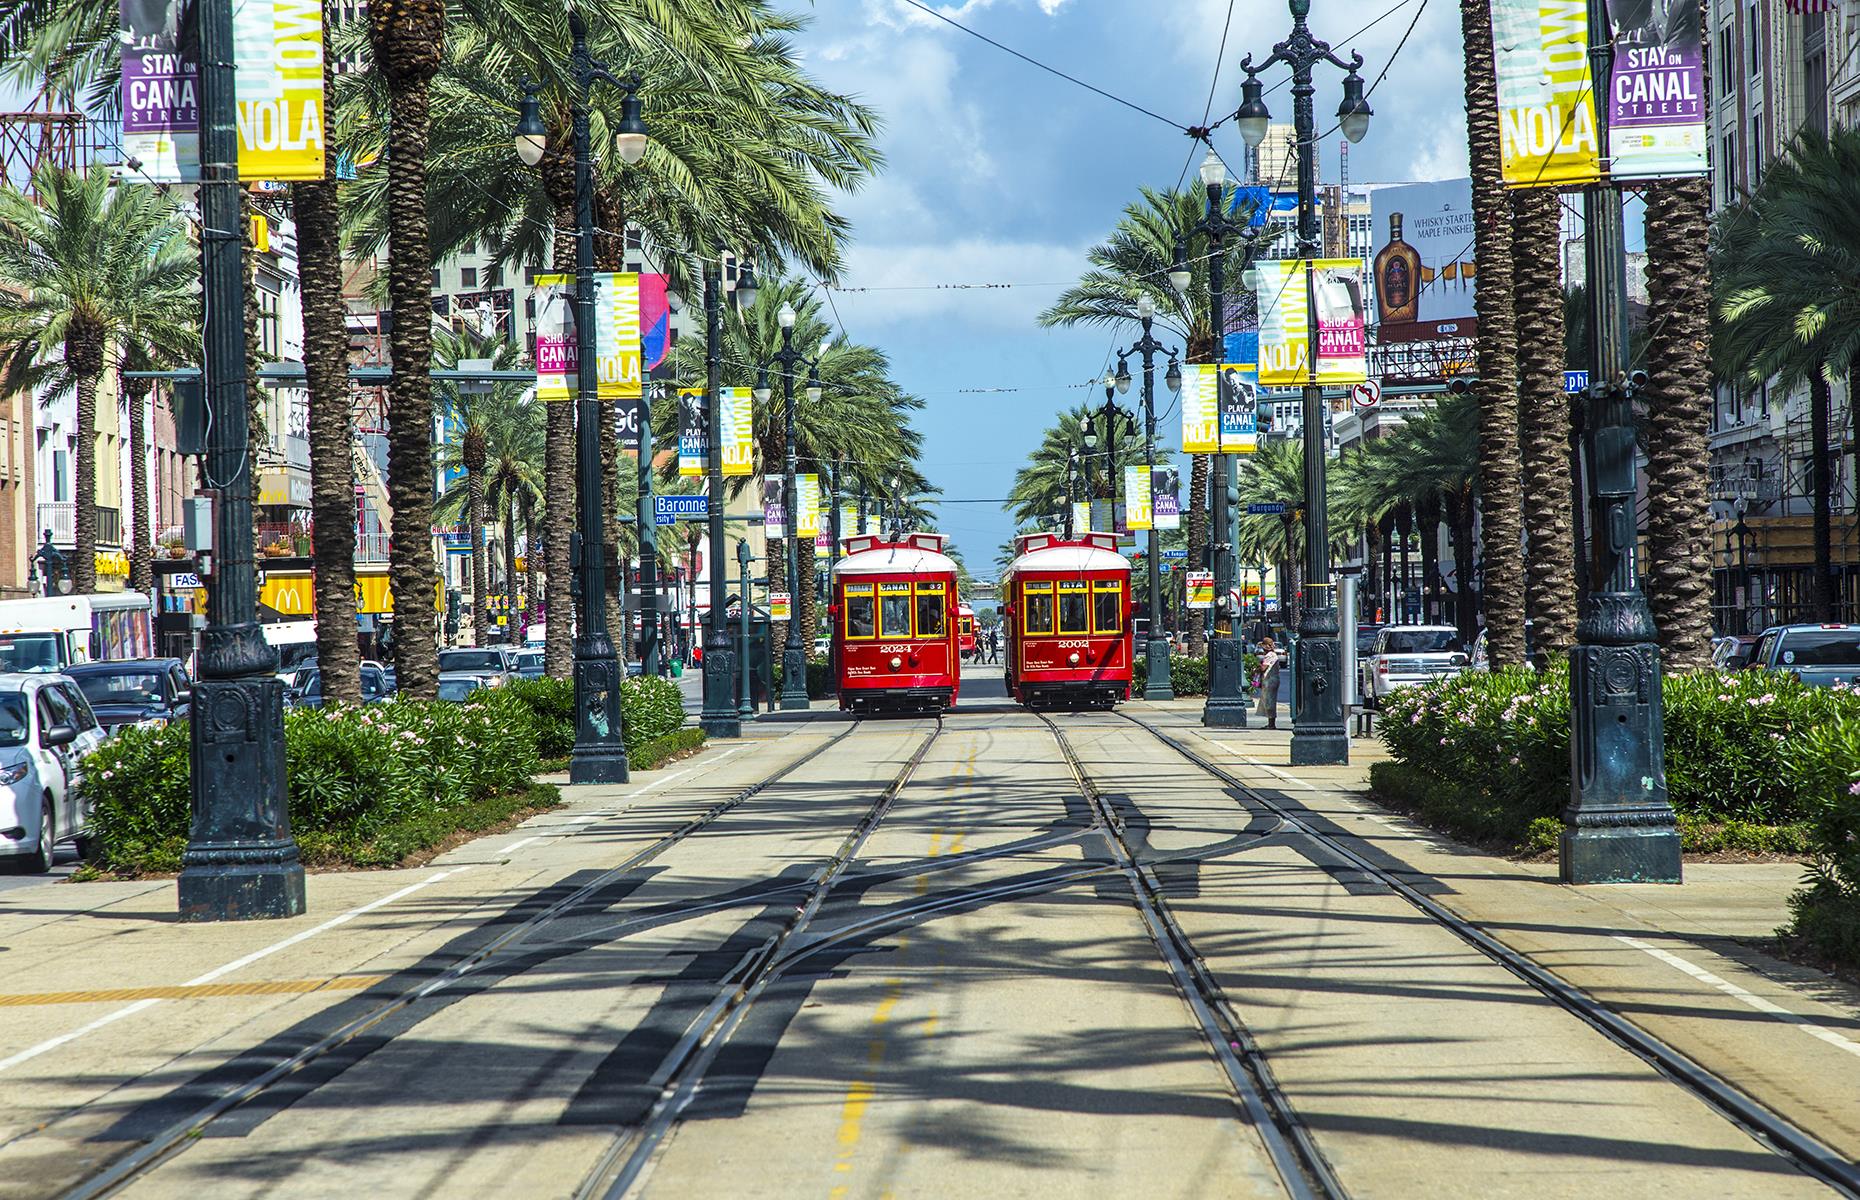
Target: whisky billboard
[1423, 275]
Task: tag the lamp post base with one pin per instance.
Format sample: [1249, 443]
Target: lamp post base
[794, 679]
[599, 754]
[1638, 853]
[1157, 685]
[1227, 699]
[719, 719]
[1619, 826]
[235, 888]
[1319, 737]
[1319, 747]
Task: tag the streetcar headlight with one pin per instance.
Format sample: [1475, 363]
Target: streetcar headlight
[896, 662]
[1073, 658]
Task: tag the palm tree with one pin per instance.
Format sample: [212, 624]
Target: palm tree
[1436, 456]
[1500, 492]
[408, 40]
[1543, 421]
[1135, 261]
[82, 267]
[1787, 287]
[1049, 482]
[474, 411]
[1679, 409]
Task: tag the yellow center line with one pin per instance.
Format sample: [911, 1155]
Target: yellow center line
[277, 987]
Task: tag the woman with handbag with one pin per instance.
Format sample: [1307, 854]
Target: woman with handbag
[1271, 659]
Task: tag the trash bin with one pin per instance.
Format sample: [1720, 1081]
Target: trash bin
[678, 668]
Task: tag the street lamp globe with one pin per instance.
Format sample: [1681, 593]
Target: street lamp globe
[630, 137]
[531, 138]
[746, 287]
[1173, 378]
[1122, 378]
[1146, 307]
[786, 316]
[1179, 275]
[814, 387]
[1091, 437]
[761, 391]
[1354, 113]
[1253, 117]
[1212, 170]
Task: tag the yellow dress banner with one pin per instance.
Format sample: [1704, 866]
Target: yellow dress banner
[1201, 426]
[1136, 498]
[1286, 296]
[278, 84]
[807, 514]
[1081, 517]
[1546, 94]
[739, 432]
[616, 335]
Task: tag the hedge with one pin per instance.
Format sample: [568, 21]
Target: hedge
[1189, 676]
[650, 708]
[1754, 761]
[656, 753]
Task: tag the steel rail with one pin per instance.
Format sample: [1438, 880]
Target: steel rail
[1788, 1140]
[183, 1133]
[1287, 1140]
[682, 1071]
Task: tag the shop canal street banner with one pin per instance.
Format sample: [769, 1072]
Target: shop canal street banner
[1336, 284]
[277, 84]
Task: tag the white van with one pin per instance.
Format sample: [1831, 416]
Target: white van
[51, 633]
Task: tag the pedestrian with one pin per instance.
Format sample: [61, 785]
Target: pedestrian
[1270, 660]
[994, 645]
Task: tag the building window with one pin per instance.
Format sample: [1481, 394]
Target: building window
[468, 277]
[269, 329]
[1725, 61]
[61, 476]
[436, 284]
[495, 276]
[1752, 41]
[1727, 168]
[1756, 151]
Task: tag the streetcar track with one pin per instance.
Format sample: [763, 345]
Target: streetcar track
[682, 1070]
[178, 1135]
[1288, 1142]
[1768, 1128]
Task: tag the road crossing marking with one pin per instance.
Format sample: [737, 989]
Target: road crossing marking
[1748, 997]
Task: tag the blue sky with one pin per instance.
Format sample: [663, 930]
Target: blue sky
[1000, 173]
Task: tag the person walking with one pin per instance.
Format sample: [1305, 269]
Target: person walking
[1271, 659]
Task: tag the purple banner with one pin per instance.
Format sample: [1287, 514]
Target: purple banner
[161, 97]
[1656, 102]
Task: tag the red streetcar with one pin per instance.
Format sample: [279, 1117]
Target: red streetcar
[965, 630]
[894, 606]
[1067, 604]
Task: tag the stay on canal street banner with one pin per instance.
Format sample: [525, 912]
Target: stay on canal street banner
[277, 84]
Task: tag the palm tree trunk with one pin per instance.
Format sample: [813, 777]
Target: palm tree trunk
[480, 570]
[1820, 394]
[332, 444]
[531, 560]
[1404, 528]
[512, 617]
[1543, 421]
[1500, 494]
[141, 522]
[1197, 542]
[1679, 404]
[1460, 530]
[559, 461]
[1429, 528]
[84, 351]
[408, 38]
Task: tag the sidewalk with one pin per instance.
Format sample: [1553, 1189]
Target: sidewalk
[1683, 962]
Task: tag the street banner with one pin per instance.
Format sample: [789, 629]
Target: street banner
[655, 322]
[739, 435]
[1239, 407]
[161, 95]
[1424, 275]
[823, 543]
[1656, 102]
[849, 520]
[278, 83]
[616, 335]
[779, 607]
[807, 506]
[1546, 95]
[1137, 497]
[1200, 410]
[693, 434]
[1201, 589]
[1166, 503]
[1081, 517]
[774, 511]
[874, 525]
[556, 362]
[1336, 284]
[626, 418]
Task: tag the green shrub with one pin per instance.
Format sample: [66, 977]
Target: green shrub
[1826, 764]
[552, 702]
[652, 708]
[138, 782]
[653, 754]
[1187, 676]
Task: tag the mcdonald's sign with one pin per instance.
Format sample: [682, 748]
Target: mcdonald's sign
[292, 595]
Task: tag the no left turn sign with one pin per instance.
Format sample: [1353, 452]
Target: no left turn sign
[1366, 395]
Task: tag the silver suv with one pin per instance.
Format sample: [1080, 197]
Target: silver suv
[1406, 655]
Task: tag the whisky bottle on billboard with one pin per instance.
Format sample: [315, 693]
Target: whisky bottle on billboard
[1398, 273]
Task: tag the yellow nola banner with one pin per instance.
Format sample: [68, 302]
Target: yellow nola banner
[739, 431]
[616, 335]
[278, 84]
[1287, 295]
[1546, 95]
[807, 515]
[1136, 498]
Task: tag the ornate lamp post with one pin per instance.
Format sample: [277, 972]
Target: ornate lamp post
[794, 655]
[599, 755]
[722, 716]
[1318, 733]
[1226, 704]
[241, 862]
[1157, 685]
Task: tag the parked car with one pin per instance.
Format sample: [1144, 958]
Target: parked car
[1405, 655]
[456, 688]
[1818, 655]
[46, 729]
[376, 688]
[528, 664]
[137, 691]
[490, 665]
[1366, 639]
[1733, 653]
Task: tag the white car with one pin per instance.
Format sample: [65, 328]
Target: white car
[1405, 655]
[46, 729]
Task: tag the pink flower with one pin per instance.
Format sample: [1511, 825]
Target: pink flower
[1853, 789]
[1443, 741]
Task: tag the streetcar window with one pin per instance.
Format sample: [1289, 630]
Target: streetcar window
[894, 610]
[932, 616]
[1039, 599]
[1107, 609]
[860, 613]
[1074, 608]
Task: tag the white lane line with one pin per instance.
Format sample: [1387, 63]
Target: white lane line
[1767, 1007]
[521, 842]
[130, 1010]
[602, 816]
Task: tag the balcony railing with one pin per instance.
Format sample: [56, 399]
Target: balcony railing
[60, 516]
